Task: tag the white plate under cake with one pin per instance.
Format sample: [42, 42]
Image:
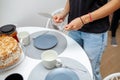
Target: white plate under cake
[10, 51]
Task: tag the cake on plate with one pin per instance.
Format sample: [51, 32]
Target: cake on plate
[10, 51]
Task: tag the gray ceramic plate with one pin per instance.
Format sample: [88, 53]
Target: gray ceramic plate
[62, 74]
[45, 41]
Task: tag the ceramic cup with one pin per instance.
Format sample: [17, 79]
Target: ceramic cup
[14, 76]
[49, 59]
[24, 38]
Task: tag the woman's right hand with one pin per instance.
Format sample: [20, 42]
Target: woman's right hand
[58, 18]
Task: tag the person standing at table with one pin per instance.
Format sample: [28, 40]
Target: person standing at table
[88, 24]
[114, 26]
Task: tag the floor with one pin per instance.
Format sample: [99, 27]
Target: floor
[111, 57]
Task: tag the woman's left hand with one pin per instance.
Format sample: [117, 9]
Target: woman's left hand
[74, 24]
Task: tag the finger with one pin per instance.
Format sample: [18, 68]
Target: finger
[61, 20]
[74, 28]
[55, 18]
[65, 27]
[68, 27]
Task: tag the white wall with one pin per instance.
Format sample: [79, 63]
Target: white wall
[25, 12]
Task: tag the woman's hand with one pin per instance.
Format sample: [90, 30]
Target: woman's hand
[58, 18]
[74, 24]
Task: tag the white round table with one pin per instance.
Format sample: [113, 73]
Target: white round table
[73, 50]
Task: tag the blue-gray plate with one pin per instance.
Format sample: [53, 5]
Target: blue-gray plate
[62, 74]
[46, 41]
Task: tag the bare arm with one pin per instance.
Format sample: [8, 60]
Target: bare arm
[67, 8]
[104, 11]
[58, 18]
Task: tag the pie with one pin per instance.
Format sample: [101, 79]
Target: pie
[10, 51]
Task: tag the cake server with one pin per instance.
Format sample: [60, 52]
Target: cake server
[47, 15]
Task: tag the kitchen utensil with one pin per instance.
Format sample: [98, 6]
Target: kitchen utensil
[47, 15]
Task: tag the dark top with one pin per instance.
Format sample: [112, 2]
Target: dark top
[81, 7]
